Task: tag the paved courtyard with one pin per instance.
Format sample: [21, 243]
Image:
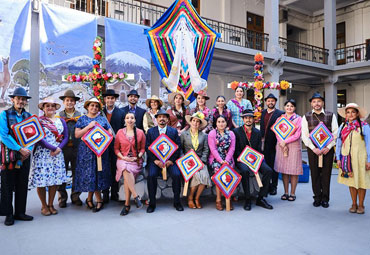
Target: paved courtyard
[291, 228]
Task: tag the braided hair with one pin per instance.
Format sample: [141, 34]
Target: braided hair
[136, 146]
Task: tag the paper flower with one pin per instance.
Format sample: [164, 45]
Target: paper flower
[258, 95]
[258, 57]
[284, 85]
[234, 85]
[258, 85]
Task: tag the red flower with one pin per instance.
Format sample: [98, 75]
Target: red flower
[96, 66]
[95, 88]
[99, 76]
[73, 77]
[96, 93]
[97, 57]
[105, 77]
[94, 48]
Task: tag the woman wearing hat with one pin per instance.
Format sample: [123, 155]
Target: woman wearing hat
[222, 146]
[154, 104]
[354, 141]
[237, 106]
[87, 178]
[193, 139]
[288, 159]
[201, 98]
[48, 167]
[178, 111]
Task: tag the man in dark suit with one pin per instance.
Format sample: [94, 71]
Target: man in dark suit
[155, 166]
[268, 118]
[116, 119]
[133, 97]
[251, 136]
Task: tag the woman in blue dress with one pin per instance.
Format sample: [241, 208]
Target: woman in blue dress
[88, 179]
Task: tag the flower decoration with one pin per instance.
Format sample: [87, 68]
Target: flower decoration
[258, 57]
[284, 85]
[258, 85]
[258, 95]
[199, 115]
[98, 77]
[234, 85]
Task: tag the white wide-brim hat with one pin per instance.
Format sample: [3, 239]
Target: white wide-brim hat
[48, 100]
[361, 111]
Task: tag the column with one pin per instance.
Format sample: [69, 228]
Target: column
[271, 21]
[330, 12]
[34, 76]
[331, 94]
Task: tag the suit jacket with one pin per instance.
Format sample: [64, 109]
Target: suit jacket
[117, 120]
[153, 133]
[186, 145]
[241, 141]
[270, 137]
[139, 115]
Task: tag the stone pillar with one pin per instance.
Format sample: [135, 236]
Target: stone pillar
[330, 15]
[283, 26]
[272, 23]
[34, 76]
[331, 94]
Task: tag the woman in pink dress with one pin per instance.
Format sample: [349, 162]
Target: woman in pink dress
[129, 147]
[289, 164]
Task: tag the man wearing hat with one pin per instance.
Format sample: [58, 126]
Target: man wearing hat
[70, 115]
[116, 119]
[14, 179]
[133, 98]
[155, 166]
[268, 118]
[251, 136]
[320, 176]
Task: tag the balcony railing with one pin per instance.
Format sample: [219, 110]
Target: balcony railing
[304, 51]
[351, 54]
[145, 13]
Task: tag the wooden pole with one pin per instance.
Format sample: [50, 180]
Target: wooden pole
[100, 165]
[186, 187]
[228, 205]
[164, 173]
[321, 159]
[258, 180]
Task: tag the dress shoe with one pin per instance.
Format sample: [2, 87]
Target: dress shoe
[316, 203]
[273, 192]
[150, 209]
[77, 202]
[247, 205]
[23, 217]
[178, 207]
[325, 204]
[97, 208]
[263, 203]
[9, 220]
[62, 204]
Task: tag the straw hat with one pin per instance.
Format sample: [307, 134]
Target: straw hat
[171, 98]
[155, 98]
[92, 100]
[199, 116]
[48, 100]
[362, 112]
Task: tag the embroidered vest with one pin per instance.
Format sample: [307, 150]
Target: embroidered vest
[313, 121]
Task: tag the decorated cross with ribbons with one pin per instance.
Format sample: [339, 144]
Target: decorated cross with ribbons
[98, 140]
[163, 148]
[259, 85]
[189, 164]
[99, 76]
[226, 179]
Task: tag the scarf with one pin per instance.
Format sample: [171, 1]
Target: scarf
[49, 124]
[241, 108]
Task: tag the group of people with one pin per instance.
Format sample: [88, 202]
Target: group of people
[217, 136]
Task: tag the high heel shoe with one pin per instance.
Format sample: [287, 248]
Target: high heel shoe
[88, 205]
[96, 208]
[125, 210]
[138, 202]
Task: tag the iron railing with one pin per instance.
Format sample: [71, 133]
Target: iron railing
[304, 51]
[351, 54]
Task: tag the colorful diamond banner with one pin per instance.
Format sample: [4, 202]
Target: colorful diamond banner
[226, 179]
[189, 164]
[321, 136]
[97, 139]
[29, 131]
[283, 128]
[163, 148]
[252, 158]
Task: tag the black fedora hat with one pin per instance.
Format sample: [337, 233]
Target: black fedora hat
[134, 93]
[19, 92]
[271, 96]
[316, 95]
[110, 92]
[162, 112]
[247, 113]
[69, 93]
